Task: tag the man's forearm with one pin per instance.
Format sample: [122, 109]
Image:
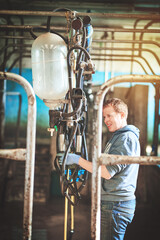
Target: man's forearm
[89, 167]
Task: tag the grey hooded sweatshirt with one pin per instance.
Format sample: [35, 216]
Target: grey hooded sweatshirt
[122, 185]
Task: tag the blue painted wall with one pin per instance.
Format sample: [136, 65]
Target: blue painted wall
[12, 103]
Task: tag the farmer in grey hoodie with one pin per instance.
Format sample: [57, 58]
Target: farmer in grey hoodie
[119, 181]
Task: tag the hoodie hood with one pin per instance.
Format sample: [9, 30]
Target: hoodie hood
[127, 128]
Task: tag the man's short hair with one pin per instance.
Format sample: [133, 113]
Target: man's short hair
[118, 105]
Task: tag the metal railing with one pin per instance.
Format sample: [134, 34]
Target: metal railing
[98, 158]
[27, 154]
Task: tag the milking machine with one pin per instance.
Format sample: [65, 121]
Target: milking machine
[61, 66]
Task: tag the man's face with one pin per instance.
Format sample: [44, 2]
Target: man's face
[112, 119]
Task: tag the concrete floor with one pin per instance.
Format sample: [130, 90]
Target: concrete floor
[48, 221]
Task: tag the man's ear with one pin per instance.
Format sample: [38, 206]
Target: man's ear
[122, 115]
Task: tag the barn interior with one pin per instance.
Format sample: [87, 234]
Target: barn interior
[123, 40]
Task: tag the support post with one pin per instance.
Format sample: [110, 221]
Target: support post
[30, 151]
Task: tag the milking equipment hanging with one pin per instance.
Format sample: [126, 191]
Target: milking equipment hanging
[61, 66]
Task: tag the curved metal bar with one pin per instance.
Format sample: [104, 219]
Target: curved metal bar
[30, 151]
[96, 153]
[142, 34]
[129, 49]
[127, 41]
[134, 35]
[123, 55]
[122, 60]
[147, 63]
[146, 27]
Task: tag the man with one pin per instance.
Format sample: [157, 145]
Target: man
[119, 181]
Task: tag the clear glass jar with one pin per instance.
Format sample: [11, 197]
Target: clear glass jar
[49, 67]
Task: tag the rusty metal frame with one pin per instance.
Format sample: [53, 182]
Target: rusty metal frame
[150, 18]
[98, 158]
[27, 154]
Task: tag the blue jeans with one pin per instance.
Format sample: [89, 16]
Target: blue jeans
[115, 216]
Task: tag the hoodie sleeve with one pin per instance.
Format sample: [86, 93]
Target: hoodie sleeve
[123, 145]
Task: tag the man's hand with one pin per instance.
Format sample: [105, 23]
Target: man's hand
[72, 158]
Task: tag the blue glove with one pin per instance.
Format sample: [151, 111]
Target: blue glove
[72, 159]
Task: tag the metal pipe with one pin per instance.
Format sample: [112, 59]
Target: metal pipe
[134, 36]
[32, 13]
[72, 215]
[128, 30]
[142, 34]
[157, 98]
[29, 27]
[96, 29]
[126, 41]
[146, 28]
[133, 47]
[62, 14]
[108, 159]
[14, 154]
[66, 211]
[119, 60]
[30, 151]
[125, 55]
[147, 63]
[97, 135]
[127, 49]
